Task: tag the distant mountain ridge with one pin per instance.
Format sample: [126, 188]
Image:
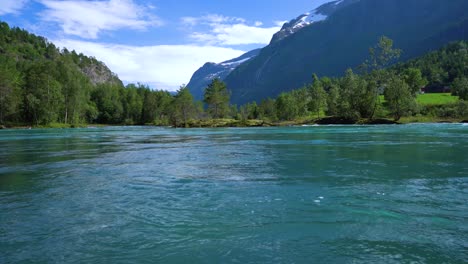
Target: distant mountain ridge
[337, 36]
[319, 14]
[203, 76]
[209, 71]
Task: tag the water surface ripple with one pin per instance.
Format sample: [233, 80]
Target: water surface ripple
[327, 194]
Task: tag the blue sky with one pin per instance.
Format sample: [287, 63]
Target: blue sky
[158, 42]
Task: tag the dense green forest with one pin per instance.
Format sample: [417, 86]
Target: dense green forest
[41, 85]
[377, 89]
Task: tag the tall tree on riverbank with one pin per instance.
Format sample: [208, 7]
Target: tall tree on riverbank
[399, 99]
[217, 98]
[413, 77]
[318, 96]
[183, 107]
[381, 55]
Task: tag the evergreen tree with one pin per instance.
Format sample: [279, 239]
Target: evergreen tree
[217, 98]
[109, 104]
[132, 102]
[183, 107]
[156, 107]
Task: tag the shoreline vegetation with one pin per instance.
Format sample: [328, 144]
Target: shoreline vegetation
[233, 123]
[44, 87]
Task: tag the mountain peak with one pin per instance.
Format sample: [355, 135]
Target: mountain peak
[319, 14]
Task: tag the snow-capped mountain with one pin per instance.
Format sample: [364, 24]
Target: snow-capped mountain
[203, 76]
[319, 14]
[337, 36]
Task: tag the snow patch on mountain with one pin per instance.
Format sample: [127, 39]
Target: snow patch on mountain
[235, 63]
[339, 2]
[317, 15]
[309, 18]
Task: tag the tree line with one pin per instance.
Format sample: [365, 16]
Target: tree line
[42, 85]
[376, 89]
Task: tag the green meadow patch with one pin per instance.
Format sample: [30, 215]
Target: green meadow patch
[436, 99]
[432, 99]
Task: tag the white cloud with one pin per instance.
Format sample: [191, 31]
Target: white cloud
[222, 30]
[169, 66]
[87, 19]
[11, 6]
[281, 23]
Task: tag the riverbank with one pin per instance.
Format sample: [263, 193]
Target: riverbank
[219, 123]
[322, 121]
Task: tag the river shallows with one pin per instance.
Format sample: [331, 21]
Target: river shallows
[328, 194]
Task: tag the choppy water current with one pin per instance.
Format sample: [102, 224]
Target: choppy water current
[328, 194]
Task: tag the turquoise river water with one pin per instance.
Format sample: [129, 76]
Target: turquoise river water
[325, 194]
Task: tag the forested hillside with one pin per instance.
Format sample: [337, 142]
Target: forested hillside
[443, 66]
[42, 85]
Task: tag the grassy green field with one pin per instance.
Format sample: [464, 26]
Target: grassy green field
[436, 99]
[432, 99]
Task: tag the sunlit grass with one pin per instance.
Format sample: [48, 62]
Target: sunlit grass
[432, 99]
[436, 99]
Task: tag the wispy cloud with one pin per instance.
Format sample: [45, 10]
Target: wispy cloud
[87, 19]
[281, 23]
[222, 30]
[11, 6]
[168, 66]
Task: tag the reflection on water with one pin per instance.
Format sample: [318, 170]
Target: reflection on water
[331, 194]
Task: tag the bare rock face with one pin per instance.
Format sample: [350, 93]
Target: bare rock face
[99, 73]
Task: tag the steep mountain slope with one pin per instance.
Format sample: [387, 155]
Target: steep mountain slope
[341, 40]
[203, 76]
[307, 19]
